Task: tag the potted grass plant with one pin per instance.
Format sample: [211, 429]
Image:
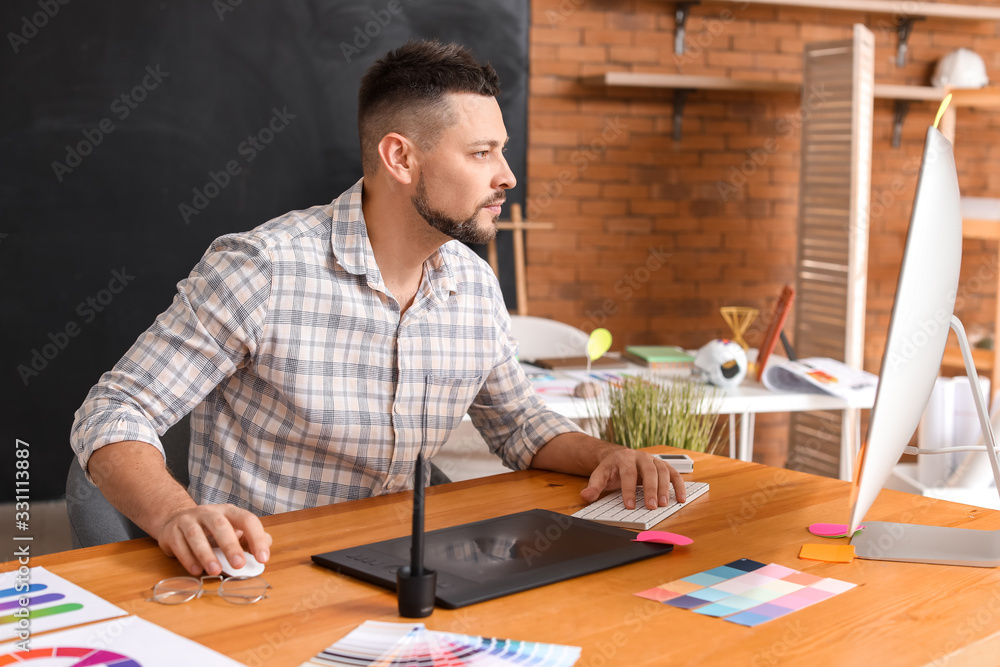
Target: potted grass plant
[646, 411]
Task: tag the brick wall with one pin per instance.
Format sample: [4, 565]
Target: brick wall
[652, 236]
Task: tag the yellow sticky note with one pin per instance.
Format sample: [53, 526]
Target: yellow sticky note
[828, 553]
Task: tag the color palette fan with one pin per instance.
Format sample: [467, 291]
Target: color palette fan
[747, 592]
[377, 644]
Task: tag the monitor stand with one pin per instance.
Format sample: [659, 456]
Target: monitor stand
[913, 543]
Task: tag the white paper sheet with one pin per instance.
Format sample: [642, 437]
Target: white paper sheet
[123, 642]
[53, 601]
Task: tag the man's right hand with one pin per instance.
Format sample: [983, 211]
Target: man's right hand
[186, 534]
[133, 478]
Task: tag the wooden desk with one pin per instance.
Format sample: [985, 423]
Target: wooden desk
[900, 614]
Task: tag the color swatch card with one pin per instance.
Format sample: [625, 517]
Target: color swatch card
[747, 592]
[377, 644]
[122, 642]
[52, 601]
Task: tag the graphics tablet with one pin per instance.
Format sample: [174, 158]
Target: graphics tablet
[495, 557]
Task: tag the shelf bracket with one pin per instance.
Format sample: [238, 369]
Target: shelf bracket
[902, 107]
[903, 31]
[680, 99]
[681, 10]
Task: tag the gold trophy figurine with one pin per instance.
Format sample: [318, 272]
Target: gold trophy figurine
[739, 319]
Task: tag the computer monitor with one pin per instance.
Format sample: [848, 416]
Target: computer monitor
[922, 314]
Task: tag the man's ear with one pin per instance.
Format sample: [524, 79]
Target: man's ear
[399, 157]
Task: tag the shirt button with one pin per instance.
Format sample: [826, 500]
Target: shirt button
[397, 408]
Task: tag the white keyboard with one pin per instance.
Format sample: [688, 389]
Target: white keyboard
[611, 510]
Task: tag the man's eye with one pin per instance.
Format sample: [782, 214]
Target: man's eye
[481, 154]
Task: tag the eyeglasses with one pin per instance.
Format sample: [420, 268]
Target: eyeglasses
[237, 590]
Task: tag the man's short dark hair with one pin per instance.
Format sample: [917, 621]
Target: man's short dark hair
[404, 92]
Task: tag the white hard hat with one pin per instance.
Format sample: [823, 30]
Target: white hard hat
[721, 362]
[961, 68]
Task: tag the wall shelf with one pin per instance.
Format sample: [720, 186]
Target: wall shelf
[904, 14]
[682, 84]
[983, 98]
[909, 8]
[687, 81]
[888, 91]
[891, 91]
[902, 97]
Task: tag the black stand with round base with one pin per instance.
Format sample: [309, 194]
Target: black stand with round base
[415, 592]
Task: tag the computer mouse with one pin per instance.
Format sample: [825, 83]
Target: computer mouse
[251, 569]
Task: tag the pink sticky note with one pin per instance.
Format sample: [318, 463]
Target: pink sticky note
[662, 537]
[830, 529]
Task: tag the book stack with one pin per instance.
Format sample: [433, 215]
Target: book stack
[659, 357]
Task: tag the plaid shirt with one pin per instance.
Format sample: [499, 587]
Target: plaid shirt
[306, 386]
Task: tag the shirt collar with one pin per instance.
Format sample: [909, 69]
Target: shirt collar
[440, 273]
[349, 239]
[353, 249]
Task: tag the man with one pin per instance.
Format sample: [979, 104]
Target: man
[323, 350]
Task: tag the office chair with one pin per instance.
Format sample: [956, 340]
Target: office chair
[94, 521]
[542, 338]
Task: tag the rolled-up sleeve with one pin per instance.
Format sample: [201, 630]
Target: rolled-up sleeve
[511, 417]
[209, 331]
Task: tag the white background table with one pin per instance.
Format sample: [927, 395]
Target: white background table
[740, 403]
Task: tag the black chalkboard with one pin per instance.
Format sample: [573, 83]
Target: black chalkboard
[134, 133]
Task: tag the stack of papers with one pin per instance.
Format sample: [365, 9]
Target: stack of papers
[51, 603]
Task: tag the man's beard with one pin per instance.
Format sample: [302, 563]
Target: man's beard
[466, 231]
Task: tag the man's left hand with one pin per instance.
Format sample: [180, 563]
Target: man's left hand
[627, 468]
